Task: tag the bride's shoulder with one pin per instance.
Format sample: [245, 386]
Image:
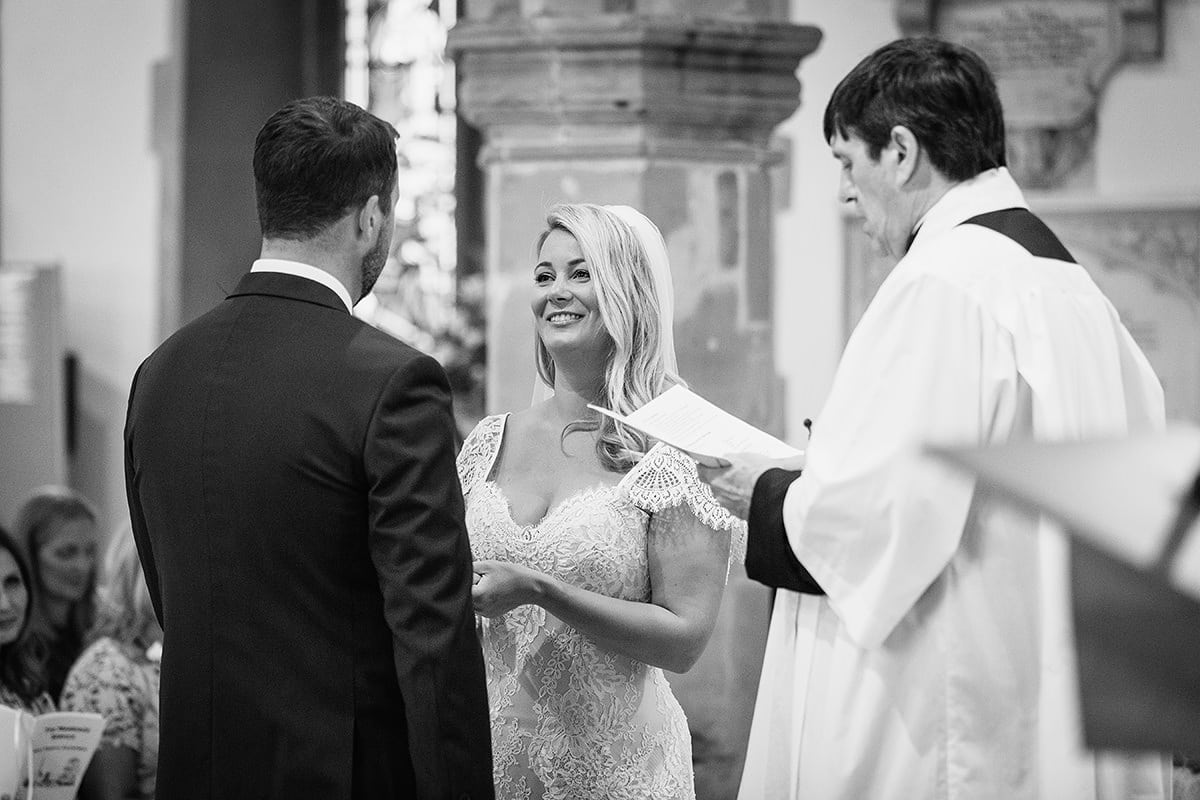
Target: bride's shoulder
[479, 450]
[487, 428]
[666, 477]
[521, 421]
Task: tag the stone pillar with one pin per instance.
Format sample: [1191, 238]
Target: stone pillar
[668, 106]
[239, 63]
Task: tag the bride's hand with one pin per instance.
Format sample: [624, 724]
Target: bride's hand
[500, 587]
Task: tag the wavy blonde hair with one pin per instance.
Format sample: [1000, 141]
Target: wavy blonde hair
[123, 607]
[626, 293]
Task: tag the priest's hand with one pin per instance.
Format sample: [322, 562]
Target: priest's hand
[733, 486]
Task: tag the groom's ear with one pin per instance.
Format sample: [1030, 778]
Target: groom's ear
[370, 218]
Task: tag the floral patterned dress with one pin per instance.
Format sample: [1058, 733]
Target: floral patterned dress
[120, 684]
[569, 718]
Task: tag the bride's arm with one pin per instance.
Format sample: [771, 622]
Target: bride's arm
[688, 562]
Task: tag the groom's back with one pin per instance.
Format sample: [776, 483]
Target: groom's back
[246, 432]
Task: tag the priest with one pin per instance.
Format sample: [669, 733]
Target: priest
[920, 644]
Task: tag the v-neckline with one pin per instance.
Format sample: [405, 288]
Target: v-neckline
[586, 492]
[553, 508]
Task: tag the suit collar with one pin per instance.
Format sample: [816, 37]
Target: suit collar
[291, 287]
[309, 271]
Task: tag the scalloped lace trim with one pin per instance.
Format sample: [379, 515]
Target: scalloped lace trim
[666, 478]
[479, 451]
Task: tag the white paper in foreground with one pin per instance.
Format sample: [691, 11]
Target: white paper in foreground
[688, 422]
[51, 751]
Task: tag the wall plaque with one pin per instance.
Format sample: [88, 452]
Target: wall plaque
[1052, 60]
[16, 369]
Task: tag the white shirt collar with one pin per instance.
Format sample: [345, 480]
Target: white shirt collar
[305, 271]
[991, 190]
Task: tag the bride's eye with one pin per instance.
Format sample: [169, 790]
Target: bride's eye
[542, 277]
[581, 274]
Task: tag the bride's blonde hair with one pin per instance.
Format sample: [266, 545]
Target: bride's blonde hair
[637, 370]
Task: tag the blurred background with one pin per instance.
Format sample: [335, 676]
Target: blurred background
[127, 209]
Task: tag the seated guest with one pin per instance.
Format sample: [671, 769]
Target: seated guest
[57, 527]
[22, 682]
[117, 677]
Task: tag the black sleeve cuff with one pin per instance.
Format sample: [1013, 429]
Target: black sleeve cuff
[769, 556]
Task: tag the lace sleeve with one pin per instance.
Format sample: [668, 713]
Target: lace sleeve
[479, 452]
[666, 478]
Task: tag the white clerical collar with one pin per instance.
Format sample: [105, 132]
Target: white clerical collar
[991, 190]
[304, 271]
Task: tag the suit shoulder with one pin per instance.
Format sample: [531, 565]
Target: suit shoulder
[186, 336]
[384, 344]
[390, 355]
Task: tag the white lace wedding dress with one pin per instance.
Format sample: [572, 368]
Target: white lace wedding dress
[570, 719]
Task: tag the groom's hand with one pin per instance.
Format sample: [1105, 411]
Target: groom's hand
[733, 486]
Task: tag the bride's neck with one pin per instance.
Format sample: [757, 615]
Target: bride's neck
[573, 391]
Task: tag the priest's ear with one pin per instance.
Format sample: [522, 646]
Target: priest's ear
[905, 153]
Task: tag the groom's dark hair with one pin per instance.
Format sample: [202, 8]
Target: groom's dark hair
[315, 159]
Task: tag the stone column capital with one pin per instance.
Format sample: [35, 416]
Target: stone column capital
[614, 85]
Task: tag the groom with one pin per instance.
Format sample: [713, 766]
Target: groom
[291, 480]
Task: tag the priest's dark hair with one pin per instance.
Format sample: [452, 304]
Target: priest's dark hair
[317, 158]
[22, 661]
[942, 92]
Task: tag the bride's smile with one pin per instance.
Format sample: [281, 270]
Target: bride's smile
[565, 303]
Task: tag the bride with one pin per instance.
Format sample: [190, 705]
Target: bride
[601, 559]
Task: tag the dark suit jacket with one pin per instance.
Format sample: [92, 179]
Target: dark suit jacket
[293, 493]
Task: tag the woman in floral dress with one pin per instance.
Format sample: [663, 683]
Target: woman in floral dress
[117, 677]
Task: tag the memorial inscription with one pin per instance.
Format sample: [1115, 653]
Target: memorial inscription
[1052, 60]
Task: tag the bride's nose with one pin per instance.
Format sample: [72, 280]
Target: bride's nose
[559, 291]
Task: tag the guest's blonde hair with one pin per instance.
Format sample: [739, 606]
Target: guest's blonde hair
[123, 607]
[636, 371]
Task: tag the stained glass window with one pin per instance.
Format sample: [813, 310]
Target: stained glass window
[396, 67]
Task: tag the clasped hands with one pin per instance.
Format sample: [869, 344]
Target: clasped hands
[499, 586]
[733, 485]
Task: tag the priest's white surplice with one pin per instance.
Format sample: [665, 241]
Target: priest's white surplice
[940, 664]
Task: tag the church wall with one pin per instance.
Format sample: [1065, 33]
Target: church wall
[1145, 147]
[80, 185]
[1150, 117]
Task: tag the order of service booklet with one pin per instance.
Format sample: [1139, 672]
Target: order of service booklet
[688, 422]
[52, 750]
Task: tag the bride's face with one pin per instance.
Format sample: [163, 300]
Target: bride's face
[565, 309]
